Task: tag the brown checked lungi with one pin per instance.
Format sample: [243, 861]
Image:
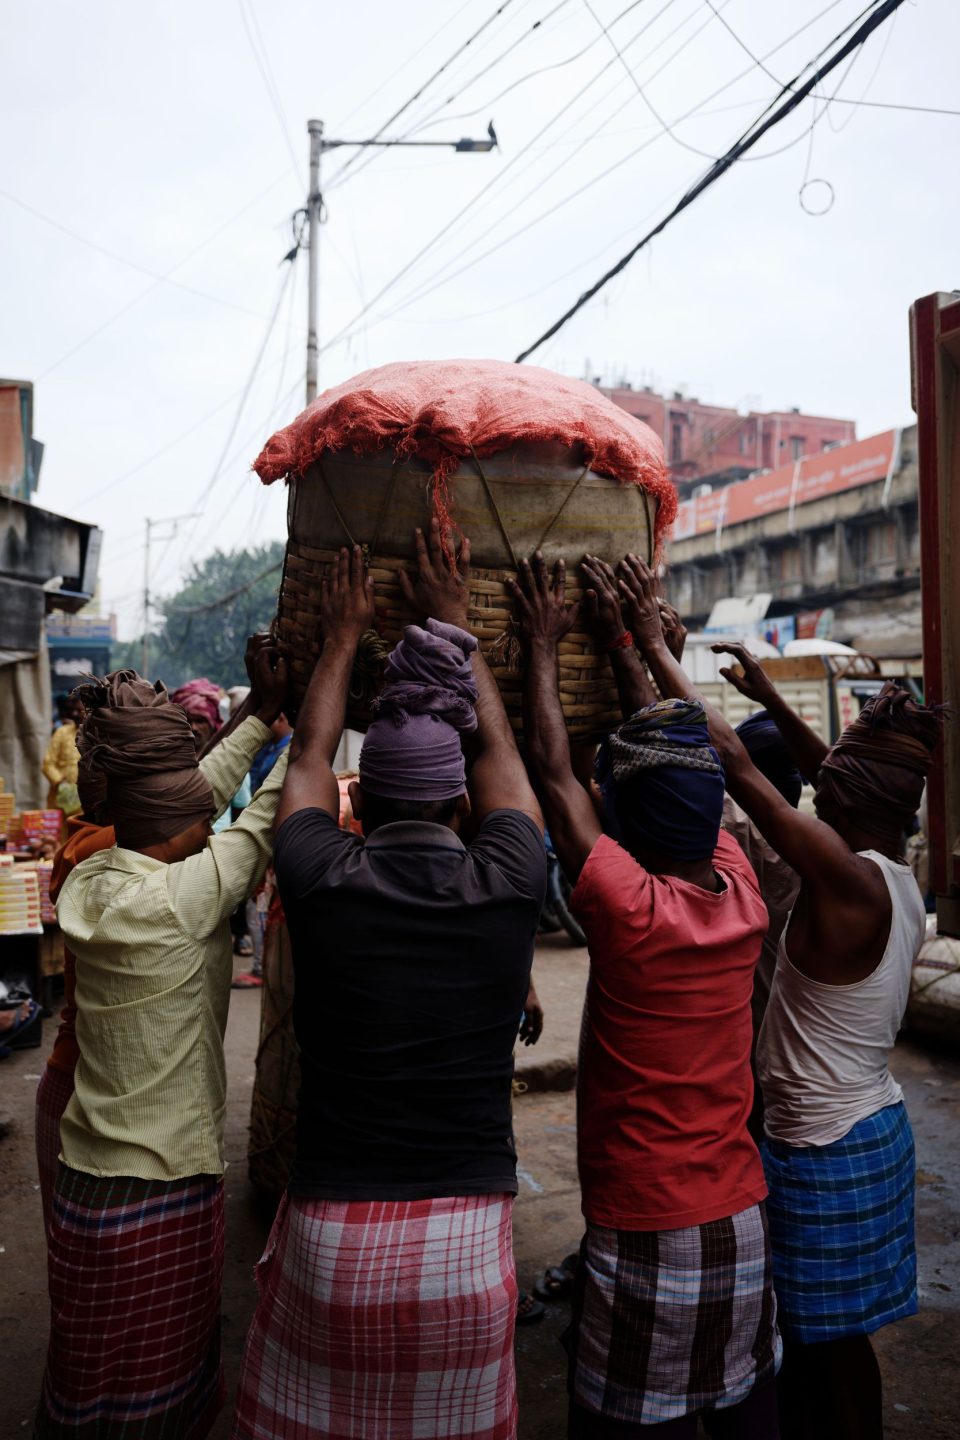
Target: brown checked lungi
[671, 1322]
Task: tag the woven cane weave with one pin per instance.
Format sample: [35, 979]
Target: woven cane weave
[588, 691]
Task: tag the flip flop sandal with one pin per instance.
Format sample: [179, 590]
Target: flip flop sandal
[557, 1282]
[249, 981]
[8, 1037]
[529, 1311]
[243, 946]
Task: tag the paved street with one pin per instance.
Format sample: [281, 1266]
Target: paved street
[920, 1371]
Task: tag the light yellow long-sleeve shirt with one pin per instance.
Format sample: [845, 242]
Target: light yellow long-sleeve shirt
[61, 760]
[154, 965]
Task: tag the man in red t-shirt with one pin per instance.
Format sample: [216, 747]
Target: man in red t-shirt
[674, 1315]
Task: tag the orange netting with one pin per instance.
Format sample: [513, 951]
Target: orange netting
[442, 411]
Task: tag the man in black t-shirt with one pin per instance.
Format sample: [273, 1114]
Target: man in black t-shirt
[389, 1293]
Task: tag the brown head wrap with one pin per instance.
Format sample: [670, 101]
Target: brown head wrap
[876, 769]
[144, 748]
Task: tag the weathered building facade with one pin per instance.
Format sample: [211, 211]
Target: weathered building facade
[843, 538]
[716, 443]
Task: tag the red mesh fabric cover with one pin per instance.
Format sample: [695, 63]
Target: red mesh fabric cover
[438, 410]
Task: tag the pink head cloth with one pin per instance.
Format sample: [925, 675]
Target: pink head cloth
[200, 697]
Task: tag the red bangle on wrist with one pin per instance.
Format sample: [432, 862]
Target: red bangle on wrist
[622, 642]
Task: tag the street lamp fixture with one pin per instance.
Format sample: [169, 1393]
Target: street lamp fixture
[318, 145]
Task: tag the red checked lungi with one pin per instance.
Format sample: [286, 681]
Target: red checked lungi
[136, 1271]
[383, 1318]
[53, 1093]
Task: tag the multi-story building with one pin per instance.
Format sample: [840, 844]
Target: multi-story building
[833, 539]
[716, 444]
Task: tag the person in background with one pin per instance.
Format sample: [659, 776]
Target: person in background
[60, 761]
[281, 733]
[778, 881]
[387, 1290]
[200, 702]
[838, 1153]
[135, 1241]
[87, 833]
[674, 1315]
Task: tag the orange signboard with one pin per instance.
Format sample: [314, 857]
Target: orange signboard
[812, 478]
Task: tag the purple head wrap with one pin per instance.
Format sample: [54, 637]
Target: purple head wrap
[412, 749]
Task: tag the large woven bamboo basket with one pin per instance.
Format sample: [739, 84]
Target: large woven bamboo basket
[511, 503]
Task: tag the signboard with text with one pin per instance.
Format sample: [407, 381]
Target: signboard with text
[812, 478]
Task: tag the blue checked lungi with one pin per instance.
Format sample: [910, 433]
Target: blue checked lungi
[667, 1323]
[841, 1226]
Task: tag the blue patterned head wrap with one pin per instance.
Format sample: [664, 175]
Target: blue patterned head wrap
[664, 783]
[764, 744]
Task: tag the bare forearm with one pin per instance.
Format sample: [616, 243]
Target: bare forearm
[674, 683]
[633, 682]
[493, 726]
[321, 716]
[804, 744]
[545, 733]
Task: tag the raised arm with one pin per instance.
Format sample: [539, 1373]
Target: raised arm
[820, 857]
[604, 615]
[804, 744]
[257, 703]
[544, 619]
[226, 765]
[439, 589]
[348, 611]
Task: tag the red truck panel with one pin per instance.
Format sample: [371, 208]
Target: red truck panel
[935, 345]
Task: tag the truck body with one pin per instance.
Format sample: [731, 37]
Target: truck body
[935, 356]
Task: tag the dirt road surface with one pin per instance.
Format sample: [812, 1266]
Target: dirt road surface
[918, 1356]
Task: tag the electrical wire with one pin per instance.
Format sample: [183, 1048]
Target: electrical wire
[618, 53]
[492, 65]
[487, 106]
[410, 58]
[207, 490]
[266, 74]
[115, 255]
[170, 444]
[132, 304]
[439, 279]
[243, 450]
[490, 20]
[434, 282]
[769, 118]
[442, 233]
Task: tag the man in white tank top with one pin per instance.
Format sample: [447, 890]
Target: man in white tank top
[839, 1150]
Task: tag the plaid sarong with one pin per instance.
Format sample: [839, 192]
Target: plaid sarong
[383, 1318]
[667, 1323]
[53, 1093]
[841, 1226]
[136, 1271]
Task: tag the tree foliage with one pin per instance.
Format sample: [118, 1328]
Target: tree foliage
[205, 625]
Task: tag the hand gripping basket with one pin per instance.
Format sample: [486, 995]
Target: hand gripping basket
[516, 458]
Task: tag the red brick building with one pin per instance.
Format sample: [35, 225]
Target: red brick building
[717, 444]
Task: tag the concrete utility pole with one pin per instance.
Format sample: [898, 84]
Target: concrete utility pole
[318, 145]
[145, 656]
[314, 201]
[149, 527]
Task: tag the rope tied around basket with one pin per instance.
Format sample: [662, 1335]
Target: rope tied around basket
[371, 657]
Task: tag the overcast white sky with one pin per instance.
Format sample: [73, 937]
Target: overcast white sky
[150, 132]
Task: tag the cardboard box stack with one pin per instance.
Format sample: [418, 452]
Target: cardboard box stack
[19, 899]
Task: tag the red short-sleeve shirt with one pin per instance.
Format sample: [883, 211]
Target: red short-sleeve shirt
[665, 1083]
